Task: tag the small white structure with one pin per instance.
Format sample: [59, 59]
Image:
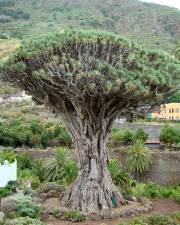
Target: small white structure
[8, 172]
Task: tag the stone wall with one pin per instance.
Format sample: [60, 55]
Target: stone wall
[165, 168]
[153, 130]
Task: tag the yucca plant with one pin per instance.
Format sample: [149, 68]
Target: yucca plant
[139, 158]
[39, 169]
[176, 52]
[60, 166]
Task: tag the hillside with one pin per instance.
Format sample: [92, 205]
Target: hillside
[150, 24]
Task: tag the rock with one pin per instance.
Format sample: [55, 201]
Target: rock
[38, 200]
[43, 196]
[8, 205]
[52, 186]
[52, 194]
[94, 216]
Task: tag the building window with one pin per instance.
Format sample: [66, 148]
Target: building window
[172, 110]
[169, 117]
[177, 110]
[172, 117]
[169, 110]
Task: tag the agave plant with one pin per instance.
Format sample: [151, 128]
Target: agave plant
[60, 166]
[139, 157]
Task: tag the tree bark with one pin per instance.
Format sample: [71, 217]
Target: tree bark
[93, 189]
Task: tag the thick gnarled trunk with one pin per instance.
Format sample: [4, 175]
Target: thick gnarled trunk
[93, 189]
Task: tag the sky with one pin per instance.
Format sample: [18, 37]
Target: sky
[172, 3]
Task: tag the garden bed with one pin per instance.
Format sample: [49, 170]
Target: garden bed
[164, 206]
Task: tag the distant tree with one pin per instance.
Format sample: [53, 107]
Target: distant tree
[175, 97]
[91, 78]
[169, 135]
[141, 135]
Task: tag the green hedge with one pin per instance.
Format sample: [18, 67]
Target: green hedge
[17, 133]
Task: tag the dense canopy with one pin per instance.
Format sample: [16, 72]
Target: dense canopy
[81, 64]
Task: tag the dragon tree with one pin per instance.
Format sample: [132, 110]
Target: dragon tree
[91, 78]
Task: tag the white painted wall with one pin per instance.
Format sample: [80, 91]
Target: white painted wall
[8, 172]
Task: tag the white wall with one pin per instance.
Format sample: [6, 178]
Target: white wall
[8, 172]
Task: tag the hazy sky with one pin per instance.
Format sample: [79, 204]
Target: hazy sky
[172, 3]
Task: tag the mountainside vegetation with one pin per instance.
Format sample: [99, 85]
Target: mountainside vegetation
[150, 24]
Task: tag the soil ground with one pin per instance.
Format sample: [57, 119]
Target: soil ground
[163, 206]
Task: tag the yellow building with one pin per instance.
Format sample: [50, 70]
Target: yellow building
[170, 111]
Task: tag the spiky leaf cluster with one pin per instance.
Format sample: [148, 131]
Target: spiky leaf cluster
[82, 66]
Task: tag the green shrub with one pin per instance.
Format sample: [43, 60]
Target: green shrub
[166, 192]
[71, 171]
[127, 137]
[24, 161]
[117, 136]
[176, 194]
[74, 216]
[158, 219]
[55, 135]
[169, 135]
[139, 157]
[141, 135]
[155, 219]
[139, 222]
[24, 221]
[138, 190]
[29, 209]
[44, 139]
[152, 190]
[64, 138]
[7, 155]
[9, 204]
[35, 182]
[70, 215]
[8, 189]
[26, 174]
[176, 217]
[36, 127]
[35, 140]
[120, 177]
[17, 133]
[39, 169]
